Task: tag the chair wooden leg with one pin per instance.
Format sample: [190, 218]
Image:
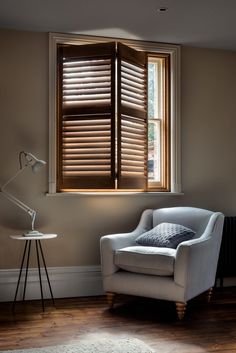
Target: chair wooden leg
[180, 309]
[209, 294]
[110, 299]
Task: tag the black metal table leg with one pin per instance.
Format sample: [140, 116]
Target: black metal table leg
[19, 277]
[46, 271]
[27, 267]
[40, 279]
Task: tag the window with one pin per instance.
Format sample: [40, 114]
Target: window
[112, 120]
[158, 122]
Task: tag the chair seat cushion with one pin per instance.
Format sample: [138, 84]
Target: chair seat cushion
[146, 259]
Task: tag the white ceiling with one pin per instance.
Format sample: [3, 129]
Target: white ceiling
[205, 23]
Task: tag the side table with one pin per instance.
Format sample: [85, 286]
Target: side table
[39, 251]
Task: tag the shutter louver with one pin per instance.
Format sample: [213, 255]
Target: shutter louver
[87, 117]
[132, 118]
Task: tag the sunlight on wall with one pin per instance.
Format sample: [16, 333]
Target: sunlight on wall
[110, 32]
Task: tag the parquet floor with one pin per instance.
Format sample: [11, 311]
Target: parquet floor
[206, 328]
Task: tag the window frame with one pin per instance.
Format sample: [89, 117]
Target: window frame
[152, 48]
[164, 124]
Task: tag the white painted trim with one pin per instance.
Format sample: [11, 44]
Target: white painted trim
[66, 282]
[175, 122]
[52, 113]
[171, 49]
[77, 281]
[116, 193]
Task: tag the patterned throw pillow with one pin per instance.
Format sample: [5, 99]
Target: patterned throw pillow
[165, 235]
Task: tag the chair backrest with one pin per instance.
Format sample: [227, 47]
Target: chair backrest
[191, 217]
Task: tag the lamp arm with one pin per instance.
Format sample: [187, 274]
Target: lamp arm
[13, 199]
[20, 204]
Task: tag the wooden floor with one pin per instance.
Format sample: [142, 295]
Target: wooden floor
[206, 328]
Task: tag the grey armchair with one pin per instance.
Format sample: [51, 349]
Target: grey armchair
[170, 274]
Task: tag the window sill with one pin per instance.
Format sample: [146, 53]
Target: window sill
[115, 193]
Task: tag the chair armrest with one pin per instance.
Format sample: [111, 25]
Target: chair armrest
[112, 242]
[196, 260]
[196, 264]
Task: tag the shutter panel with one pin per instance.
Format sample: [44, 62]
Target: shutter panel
[132, 118]
[86, 116]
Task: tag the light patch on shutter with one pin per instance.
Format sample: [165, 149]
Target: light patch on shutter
[86, 82]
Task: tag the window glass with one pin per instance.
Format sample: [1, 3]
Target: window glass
[156, 117]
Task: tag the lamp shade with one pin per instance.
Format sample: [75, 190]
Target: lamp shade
[34, 162]
[37, 165]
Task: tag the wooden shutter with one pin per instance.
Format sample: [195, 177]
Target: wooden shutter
[132, 118]
[86, 116]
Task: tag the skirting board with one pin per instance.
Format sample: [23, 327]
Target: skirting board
[66, 282]
[227, 282]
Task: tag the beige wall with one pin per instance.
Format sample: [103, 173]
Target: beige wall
[208, 128]
[208, 152]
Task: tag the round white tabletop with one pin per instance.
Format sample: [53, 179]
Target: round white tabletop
[39, 237]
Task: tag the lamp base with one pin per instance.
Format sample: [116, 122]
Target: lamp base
[33, 233]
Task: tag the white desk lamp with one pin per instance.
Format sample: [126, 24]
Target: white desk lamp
[25, 159]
